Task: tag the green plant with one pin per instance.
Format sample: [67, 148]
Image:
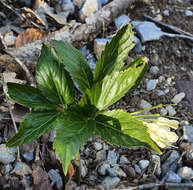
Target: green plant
[53, 103]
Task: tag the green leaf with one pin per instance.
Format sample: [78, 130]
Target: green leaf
[115, 53]
[75, 64]
[52, 78]
[33, 126]
[132, 127]
[109, 129]
[117, 84]
[28, 96]
[71, 134]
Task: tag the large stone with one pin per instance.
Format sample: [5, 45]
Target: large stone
[7, 155]
[122, 20]
[188, 133]
[185, 173]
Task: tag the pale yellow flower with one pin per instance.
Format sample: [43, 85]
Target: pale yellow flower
[159, 131]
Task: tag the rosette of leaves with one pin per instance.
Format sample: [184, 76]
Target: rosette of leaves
[61, 67]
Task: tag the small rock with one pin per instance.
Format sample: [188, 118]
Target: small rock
[137, 169]
[92, 63]
[90, 6]
[123, 160]
[169, 81]
[189, 154]
[110, 182]
[173, 177]
[120, 172]
[112, 157]
[22, 168]
[143, 164]
[147, 31]
[98, 146]
[122, 20]
[166, 13]
[188, 133]
[67, 6]
[101, 155]
[55, 178]
[159, 17]
[144, 105]
[138, 47]
[52, 136]
[171, 160]
[185, 173]
[171, 110]
[7, 155]
[188, 13]
[161, 79]
[178, 98]
[84, 51]
[156, 160]
[130, 171]
[99, 46]
[112, 172]
[84, 169]
[160, 93]
[29, 156]
[154, 70]
[151, 85]
[102, 169]
[72, 185]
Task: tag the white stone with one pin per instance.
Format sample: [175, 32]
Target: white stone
[171, 110]
[188, 13]
[163, 111]
[112, 157]
[7, 155]
[98, 146]
[166, 13]
[122, 20]
[151, 84]
[90, 6]
[160, 93]
[143, 164]
[154, 70]
[178, 98]
[144, 105]
[185, 173]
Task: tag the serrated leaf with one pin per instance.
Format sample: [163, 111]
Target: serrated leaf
[75, 64]
[28, 96]
[115, 53]
[33, 126]
[52, 78]
[71, 134]
[109, 129]
[132, 127]
[114, 86]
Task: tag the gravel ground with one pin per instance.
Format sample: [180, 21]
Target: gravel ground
[168, 81]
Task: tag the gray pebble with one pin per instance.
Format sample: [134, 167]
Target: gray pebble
[188, 13]
[156, 160]
[22, 168]
[101, 155]
[123, 160]
[171, 160]
[67, 6]
[102, 169]
[121, 21]
[84, 51]
[29, 156]
[52, 136]
[112, 172]
[138, 46]
[171, 110]
[188, 133]
[143, 164]
[98, 146]
[112, 157]
[160, 93]
[7, 155]
[84, 169]
[154, 70]
[173, 177]
[144, 104]
[55, 178]
[163, 111]
[151, 84]
[185, 173]
[189, 154]
[92, 63]
[110, 182]
[137, 169]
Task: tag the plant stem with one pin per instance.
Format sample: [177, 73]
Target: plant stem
[78, 164]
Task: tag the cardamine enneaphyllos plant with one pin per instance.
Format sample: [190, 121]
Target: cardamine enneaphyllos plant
[53, 103]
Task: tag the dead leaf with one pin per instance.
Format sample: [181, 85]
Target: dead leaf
[41, 179]
[28, 36]
[71, 172]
